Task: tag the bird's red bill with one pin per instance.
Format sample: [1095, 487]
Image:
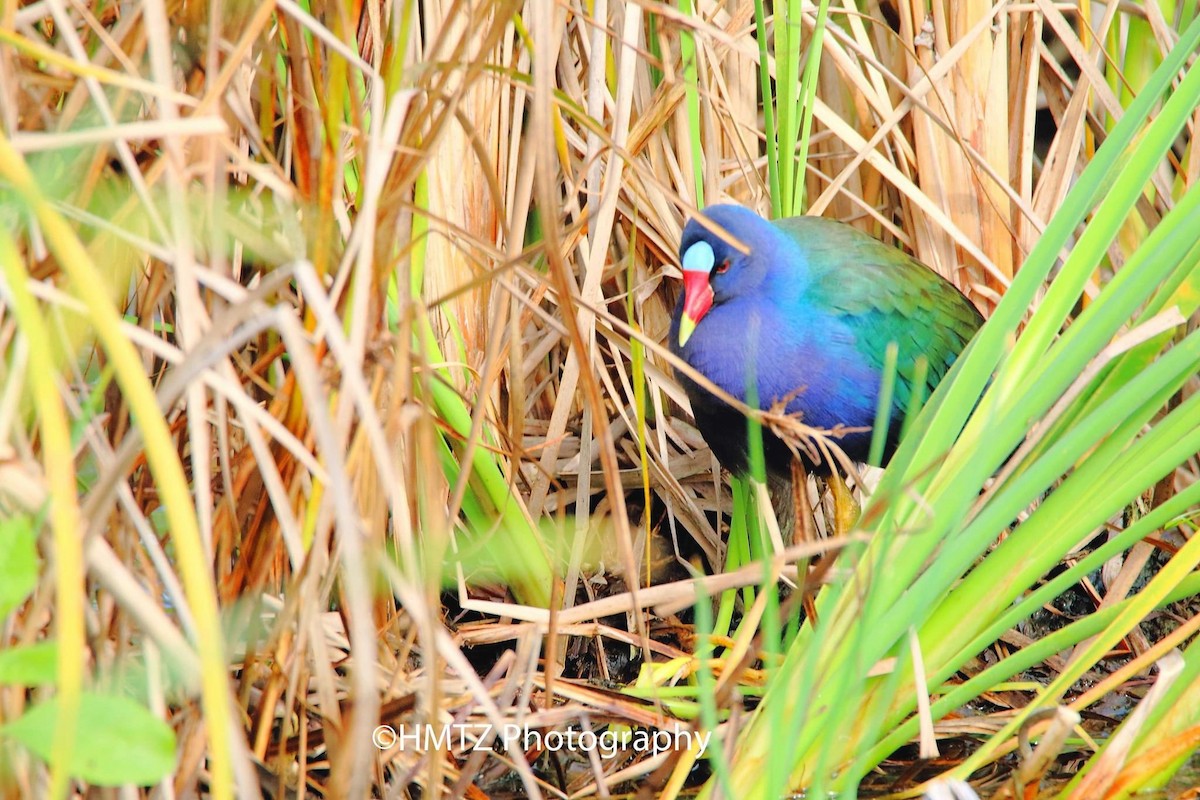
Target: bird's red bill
[697, 300]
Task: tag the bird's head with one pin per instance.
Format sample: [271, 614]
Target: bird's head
[722, 258]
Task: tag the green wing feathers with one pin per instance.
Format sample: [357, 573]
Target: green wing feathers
[884, 295]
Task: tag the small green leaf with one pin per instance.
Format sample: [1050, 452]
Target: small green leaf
[119, 743]
[19, 567]
[31, 665]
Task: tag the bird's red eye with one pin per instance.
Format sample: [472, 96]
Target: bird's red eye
[722, 268]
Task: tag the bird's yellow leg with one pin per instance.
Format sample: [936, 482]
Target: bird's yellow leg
[804, 528]
[846, 510]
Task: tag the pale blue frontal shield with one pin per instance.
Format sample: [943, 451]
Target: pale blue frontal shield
[699, 258]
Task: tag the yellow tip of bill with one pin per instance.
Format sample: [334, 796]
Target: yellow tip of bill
[686, 326]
